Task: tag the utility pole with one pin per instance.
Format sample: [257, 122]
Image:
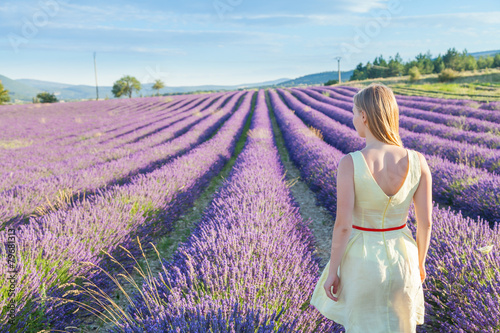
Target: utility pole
[96, 88]
[338, 59]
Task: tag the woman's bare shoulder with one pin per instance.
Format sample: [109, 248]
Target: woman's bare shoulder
[424, 167]
[346, 164]
[346, 159]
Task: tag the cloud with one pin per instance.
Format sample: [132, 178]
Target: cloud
[293, 19]
[457, 18]
[183, 36]
[361, 6]
[130, 13]
[105, 47]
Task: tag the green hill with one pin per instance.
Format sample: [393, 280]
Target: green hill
[18, 90]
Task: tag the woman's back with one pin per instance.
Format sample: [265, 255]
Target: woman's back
[388, 166]
[373, 207]
[380, 288]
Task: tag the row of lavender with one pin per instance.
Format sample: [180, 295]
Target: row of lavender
[42, 122]
[444, 108]
[51, 250]
[474, 191]
[69, 123]
[450, 130]
[21, 201]
[81, 158]
[249, 264]
[465, 153]
[475, 119]
[51, 158]
[490, 106]
[462, 289]
[38, 156]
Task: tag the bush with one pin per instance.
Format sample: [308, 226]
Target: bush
[414, 73]
[331, 82]
[46, 97]
[447, 74]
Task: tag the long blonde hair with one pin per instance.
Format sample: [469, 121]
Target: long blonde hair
[379, 103]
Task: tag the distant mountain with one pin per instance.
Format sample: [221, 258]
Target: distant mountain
[65, 91]
[184, 89]
[484, 53]
[26, 89]
[319, 78]
[263, 84]
[18, 90]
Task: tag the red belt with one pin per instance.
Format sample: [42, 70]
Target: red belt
[379, 230]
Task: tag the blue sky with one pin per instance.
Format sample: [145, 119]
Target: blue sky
[227, 42]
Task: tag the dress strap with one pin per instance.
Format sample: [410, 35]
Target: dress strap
[417, 171]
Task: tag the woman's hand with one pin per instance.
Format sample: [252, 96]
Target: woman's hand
[332, 281]
[422, 273]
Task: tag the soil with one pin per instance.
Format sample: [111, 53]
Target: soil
[321, 220]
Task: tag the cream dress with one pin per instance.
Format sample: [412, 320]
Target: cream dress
[380, 288]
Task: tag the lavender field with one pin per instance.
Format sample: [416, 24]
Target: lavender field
[82, 179]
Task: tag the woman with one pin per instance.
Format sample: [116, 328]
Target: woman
[373, 281]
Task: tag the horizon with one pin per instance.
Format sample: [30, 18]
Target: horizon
[215, 43]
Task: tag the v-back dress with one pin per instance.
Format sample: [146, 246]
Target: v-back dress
[380, 288]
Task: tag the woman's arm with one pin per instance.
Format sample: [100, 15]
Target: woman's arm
[423, 209]
[345, 205]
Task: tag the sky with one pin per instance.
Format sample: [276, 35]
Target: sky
[227, 42]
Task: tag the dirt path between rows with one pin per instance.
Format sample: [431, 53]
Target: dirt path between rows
[321, 220]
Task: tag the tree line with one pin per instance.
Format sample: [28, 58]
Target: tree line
[424, 64]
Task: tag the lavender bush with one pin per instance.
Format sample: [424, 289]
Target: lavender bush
[52, 249]
[232, 257]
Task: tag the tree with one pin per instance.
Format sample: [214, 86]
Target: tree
[46, 97]
[469, 63]
[396, 67]
[485, 62]
[158, 85]
[4, 94]
[126, 86]
[451, 59]
[438, 64]
[358, 73]
[379, 68]
[496, 60]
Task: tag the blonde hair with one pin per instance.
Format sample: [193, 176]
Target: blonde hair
[379, 103]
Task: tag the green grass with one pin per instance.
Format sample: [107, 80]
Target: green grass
[33, 312]
[16, 143]
[480, 85]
